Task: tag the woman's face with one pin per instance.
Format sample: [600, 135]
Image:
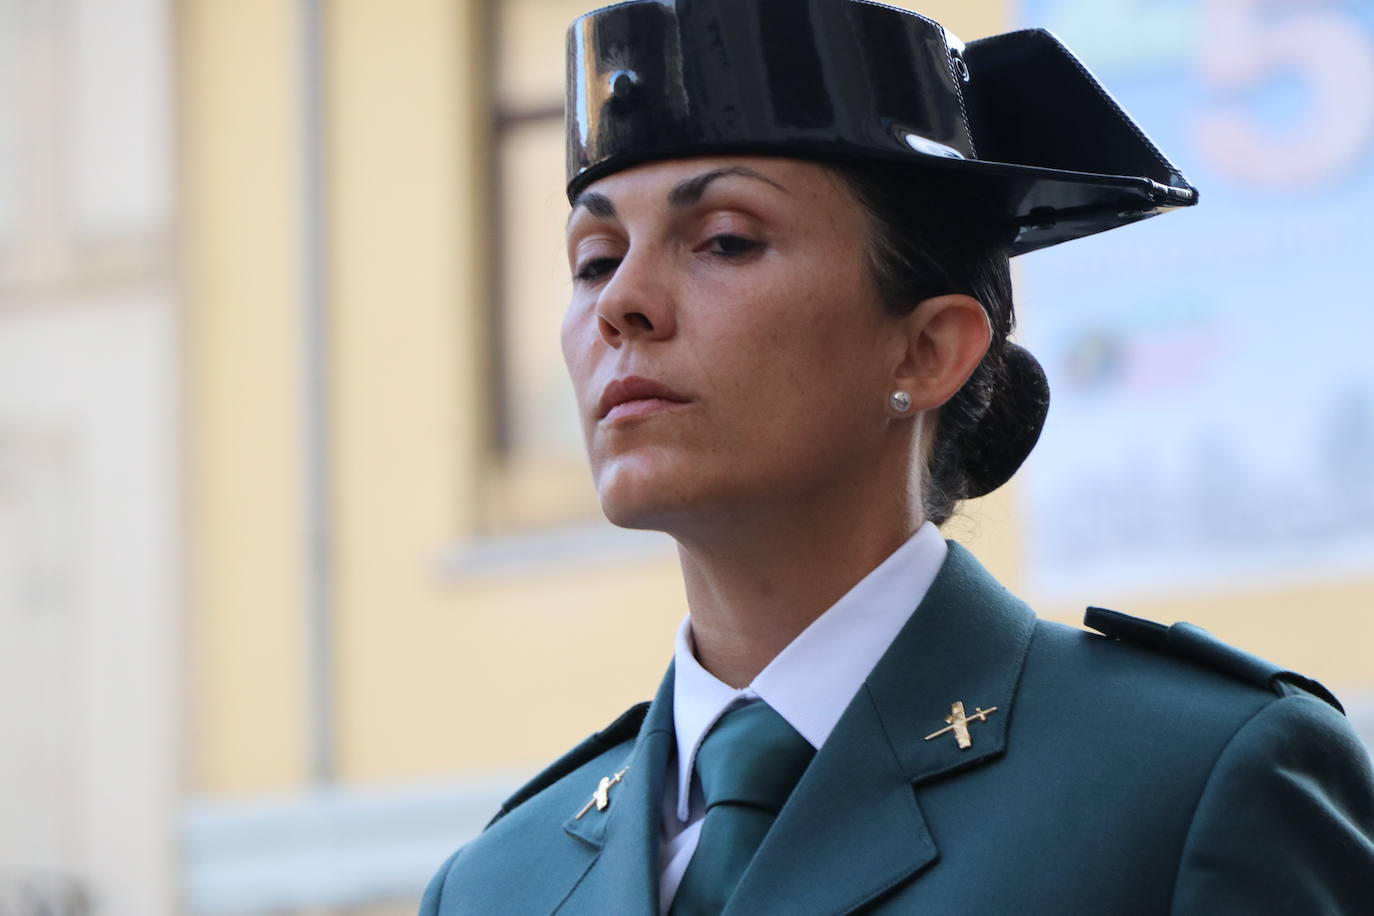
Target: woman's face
[725, 340]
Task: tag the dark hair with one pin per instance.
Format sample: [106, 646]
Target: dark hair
[932, 236]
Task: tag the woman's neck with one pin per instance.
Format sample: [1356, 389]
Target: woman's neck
[759, 583]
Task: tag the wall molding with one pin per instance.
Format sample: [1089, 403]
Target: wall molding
[329, 848]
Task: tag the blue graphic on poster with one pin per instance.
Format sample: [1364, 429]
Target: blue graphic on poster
[1213, 368]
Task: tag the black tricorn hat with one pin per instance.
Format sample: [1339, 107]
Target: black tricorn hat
[1017, 115]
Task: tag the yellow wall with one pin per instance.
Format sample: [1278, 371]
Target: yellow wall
[238, 136]
[403, 138]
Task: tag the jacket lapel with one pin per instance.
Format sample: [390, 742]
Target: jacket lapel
[853, 829]
[623, 878]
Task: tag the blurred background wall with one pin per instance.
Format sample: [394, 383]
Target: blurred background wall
[300, 568]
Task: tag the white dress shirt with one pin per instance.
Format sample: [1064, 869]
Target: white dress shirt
[809, 683]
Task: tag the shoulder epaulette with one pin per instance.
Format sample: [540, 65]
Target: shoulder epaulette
[1195, 644]
[623, 728]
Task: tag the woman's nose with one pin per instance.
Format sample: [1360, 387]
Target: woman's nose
[635, 304]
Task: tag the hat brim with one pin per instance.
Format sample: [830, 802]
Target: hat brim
[1040, 207]
[1015, 117]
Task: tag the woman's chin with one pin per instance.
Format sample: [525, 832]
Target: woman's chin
[640, 509]
[634, 495]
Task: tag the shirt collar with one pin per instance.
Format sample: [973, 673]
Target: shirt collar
[812, 680]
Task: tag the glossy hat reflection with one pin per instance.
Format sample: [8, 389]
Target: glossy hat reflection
[1017, 117]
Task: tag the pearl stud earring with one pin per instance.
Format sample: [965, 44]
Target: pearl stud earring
[900, 401]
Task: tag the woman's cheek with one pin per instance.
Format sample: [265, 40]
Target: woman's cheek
[579, 356]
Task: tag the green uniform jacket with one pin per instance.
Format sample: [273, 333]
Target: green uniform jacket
[1154, 770]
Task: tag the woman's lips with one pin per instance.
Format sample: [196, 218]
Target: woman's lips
[634, 397]
[638, 409]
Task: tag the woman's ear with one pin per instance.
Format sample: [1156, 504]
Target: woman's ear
[944, 339]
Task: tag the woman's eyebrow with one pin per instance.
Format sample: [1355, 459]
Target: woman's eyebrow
[689, 191]
[598, 205]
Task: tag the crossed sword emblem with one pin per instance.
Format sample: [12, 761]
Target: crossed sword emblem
[958, 723]
[601, 798]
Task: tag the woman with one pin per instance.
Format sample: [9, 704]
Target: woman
[788, 336]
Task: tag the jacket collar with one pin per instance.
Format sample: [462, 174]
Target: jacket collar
[852, 829]
[624, 876]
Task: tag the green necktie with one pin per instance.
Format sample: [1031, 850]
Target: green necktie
[748, 764]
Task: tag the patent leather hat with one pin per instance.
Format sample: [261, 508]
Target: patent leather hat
[1016, 117]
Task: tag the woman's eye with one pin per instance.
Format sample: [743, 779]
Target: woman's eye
[596, 268]
[732, 246]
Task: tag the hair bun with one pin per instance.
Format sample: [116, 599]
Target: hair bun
[1011, 426]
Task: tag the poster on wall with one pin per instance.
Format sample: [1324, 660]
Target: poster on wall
[1212, 369]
